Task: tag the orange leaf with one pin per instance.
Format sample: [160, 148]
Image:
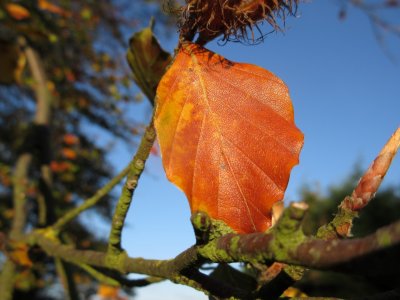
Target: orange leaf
[17, 11]
[70, 139]
[69, 153]
[227, 136]
[60, 166]
[46, 5]
[107, 291]
[19, 254]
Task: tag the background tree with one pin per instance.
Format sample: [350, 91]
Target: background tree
[22, 250]
[65, 83]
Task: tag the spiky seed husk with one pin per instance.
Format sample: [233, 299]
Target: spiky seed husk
[233, 19]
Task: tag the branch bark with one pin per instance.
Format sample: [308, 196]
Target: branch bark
[356, 255]
[307, 252]
[124, 202]
[340, 226]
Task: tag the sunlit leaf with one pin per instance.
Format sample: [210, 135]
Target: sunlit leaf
[227, 136]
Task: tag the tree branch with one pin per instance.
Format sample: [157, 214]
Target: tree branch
[368, 185]
[283, 245]
[90, 202]
[341, 224]
[66, 279]
[7, 279]
[135, 170]
[121, 263]
[307, 251]
[99, 276]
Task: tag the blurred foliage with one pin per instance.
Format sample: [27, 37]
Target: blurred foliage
[383, 210]
[83, 47]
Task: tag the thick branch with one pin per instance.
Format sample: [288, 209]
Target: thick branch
[255, 248]
[307, 252]
[341, 225]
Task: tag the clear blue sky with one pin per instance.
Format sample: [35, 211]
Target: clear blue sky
[346, 94]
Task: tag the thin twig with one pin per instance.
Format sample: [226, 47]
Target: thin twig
[90, 202]
[100, 277]
[368, 185]
[341, 224]
[65, 276]
[136, 169]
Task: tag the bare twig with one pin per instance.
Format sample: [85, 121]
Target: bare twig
[99, 276]
[340, 226]
[90, 202]
[368, 185]
[66, 279]
[136, 169]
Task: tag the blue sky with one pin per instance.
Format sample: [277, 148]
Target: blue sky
[346, 94]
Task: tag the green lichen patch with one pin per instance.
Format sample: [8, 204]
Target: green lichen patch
[219, 228]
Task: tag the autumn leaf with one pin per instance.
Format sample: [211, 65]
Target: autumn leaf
[69, 153]
[60, 167]
[108, 292]
[227, 136]
[46, 5]
[17, 11]
[19, 254]
[70, 139]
